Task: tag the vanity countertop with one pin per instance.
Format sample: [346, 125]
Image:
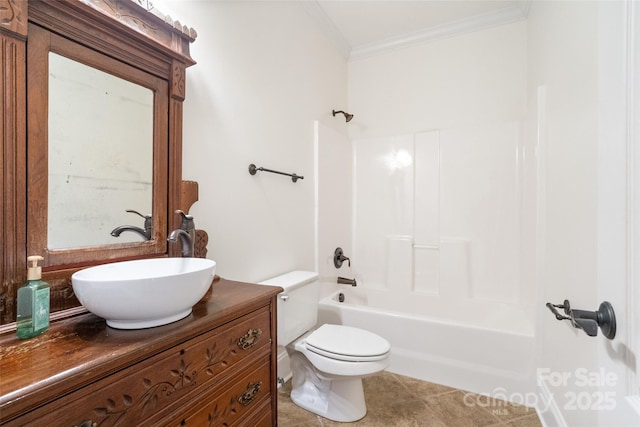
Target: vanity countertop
[79, 350]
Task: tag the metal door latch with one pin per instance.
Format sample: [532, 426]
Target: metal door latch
[589, 321]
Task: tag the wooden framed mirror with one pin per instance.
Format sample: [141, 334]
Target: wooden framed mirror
[68, 181]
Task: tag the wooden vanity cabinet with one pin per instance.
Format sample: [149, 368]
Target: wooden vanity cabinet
[216, 367]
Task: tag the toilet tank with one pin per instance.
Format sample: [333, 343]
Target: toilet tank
[297, 305]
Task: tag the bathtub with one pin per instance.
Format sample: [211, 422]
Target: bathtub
[483, 347]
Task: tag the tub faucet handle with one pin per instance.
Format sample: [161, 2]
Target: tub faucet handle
[339, 258]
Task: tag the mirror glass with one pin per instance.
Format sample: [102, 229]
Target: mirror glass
[100, 155]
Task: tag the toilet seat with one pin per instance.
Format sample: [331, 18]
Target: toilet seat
[347, 344]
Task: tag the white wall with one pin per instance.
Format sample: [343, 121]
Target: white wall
[471, 79]
[264, 74]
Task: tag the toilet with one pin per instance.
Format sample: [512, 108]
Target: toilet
[326, 365]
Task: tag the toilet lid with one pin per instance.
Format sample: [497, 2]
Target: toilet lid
[347, 343]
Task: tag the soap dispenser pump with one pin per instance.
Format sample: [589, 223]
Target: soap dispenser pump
[33, 302]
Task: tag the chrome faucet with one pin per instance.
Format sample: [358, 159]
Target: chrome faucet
[186, 233]
[145, 232]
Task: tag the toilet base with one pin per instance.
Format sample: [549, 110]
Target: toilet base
[337, 398]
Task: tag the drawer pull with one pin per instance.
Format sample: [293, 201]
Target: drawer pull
[249, 339]
[250, 393]
[86, 423]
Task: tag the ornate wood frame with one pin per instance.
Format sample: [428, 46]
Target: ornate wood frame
[121, 29]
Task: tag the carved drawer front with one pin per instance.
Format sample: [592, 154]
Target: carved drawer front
[262, 417]
[237, 400]
[154, 386]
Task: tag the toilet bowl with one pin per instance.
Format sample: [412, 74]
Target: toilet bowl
[327, 364]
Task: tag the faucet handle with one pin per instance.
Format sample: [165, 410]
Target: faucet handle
[148, 223]
[138, 213]
[184, 215]
[339, 258]
[187, 220]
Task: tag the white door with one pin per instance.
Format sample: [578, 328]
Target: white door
[588, 210]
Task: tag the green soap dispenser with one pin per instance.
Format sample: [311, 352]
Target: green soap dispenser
[33, 302]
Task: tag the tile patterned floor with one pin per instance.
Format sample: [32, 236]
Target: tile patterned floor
[399, 401]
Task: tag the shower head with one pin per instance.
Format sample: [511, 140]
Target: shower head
[347, 116]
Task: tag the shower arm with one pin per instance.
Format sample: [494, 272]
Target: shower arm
[347, 116]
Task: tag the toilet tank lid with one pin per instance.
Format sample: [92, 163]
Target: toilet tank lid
[291, 280]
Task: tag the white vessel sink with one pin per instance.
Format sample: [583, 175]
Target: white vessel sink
[143, 293]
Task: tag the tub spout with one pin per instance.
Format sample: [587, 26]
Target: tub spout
[345, 281]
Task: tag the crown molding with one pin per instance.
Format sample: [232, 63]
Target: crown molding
[507, 15]
[327, 26]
